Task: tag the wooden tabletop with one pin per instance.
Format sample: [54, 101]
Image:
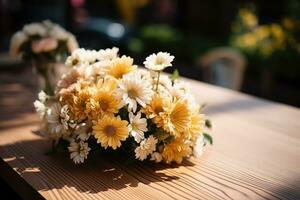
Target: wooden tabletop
[256, 155]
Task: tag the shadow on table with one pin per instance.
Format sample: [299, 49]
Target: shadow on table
[47, 172]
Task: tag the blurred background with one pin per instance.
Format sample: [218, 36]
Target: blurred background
[249, 46]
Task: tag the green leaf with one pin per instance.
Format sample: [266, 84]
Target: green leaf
[208, 138]
[175, 75]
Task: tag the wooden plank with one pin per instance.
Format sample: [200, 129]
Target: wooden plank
[256, 155]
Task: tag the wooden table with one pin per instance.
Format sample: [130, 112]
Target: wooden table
[256, 155]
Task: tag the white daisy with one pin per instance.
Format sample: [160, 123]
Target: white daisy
[157, 157]
[80, 56]
[135, 90]
[35, 29]
[159, 61]
[147, 146]
[79, 151]
[137, 126]
[107, 54]
[54, 119]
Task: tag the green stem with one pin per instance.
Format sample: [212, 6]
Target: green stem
[158, 75]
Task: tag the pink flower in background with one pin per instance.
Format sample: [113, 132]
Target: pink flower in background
[44, 45]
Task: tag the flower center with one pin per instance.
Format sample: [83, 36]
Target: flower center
[158, 109]
[104, 105]
[159, 61]
[110, 130]
[132, 93]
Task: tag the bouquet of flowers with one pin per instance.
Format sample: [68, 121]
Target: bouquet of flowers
[43, 43]
[107, 103]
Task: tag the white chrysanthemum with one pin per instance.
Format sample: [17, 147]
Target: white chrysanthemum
[40, 108]
[79, 151]
[72, 43]
[56, 122]
[80, 56]
[147, 147]
[157, 157]
[58, 32]
[107, 54]
[135, 90]
[159, 61]
[137, 126]
[83, 130]
[198, 148]
[16, 41]
[35, 29]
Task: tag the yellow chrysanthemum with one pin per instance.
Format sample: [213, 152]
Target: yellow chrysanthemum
[78, 104]
[103, 99]
[177, 118]
[110, 131]
[154, 108]
[120, 67]
[197, 124]
[176, 150]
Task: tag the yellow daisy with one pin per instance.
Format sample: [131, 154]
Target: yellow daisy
[110, 131]
[103, 99]
[120, 67]
[177, 117]
[176, 150]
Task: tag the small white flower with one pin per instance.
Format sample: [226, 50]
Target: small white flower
[16, 41]
[79, 151]
[147, 147]
[107, 54]
[135, 90]
[137, 126]
[159, 61]
[43, 97]
[157, 157]
[82, 130]
[35, 29]
[198, 148]
[40, 108]
[80, 56]
[56, 127]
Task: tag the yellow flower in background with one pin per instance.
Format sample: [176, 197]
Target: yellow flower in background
[176, 118]
[121, 66]
[249, 19]
[288, 24]
[176, 150]
[262, 32]
[110, 131]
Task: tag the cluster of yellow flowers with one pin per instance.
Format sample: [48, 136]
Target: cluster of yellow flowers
[107, 100]
[262, 39]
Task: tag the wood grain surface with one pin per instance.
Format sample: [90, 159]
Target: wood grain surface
[256, 155]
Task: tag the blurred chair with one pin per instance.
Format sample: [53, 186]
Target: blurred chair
[223, 66]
